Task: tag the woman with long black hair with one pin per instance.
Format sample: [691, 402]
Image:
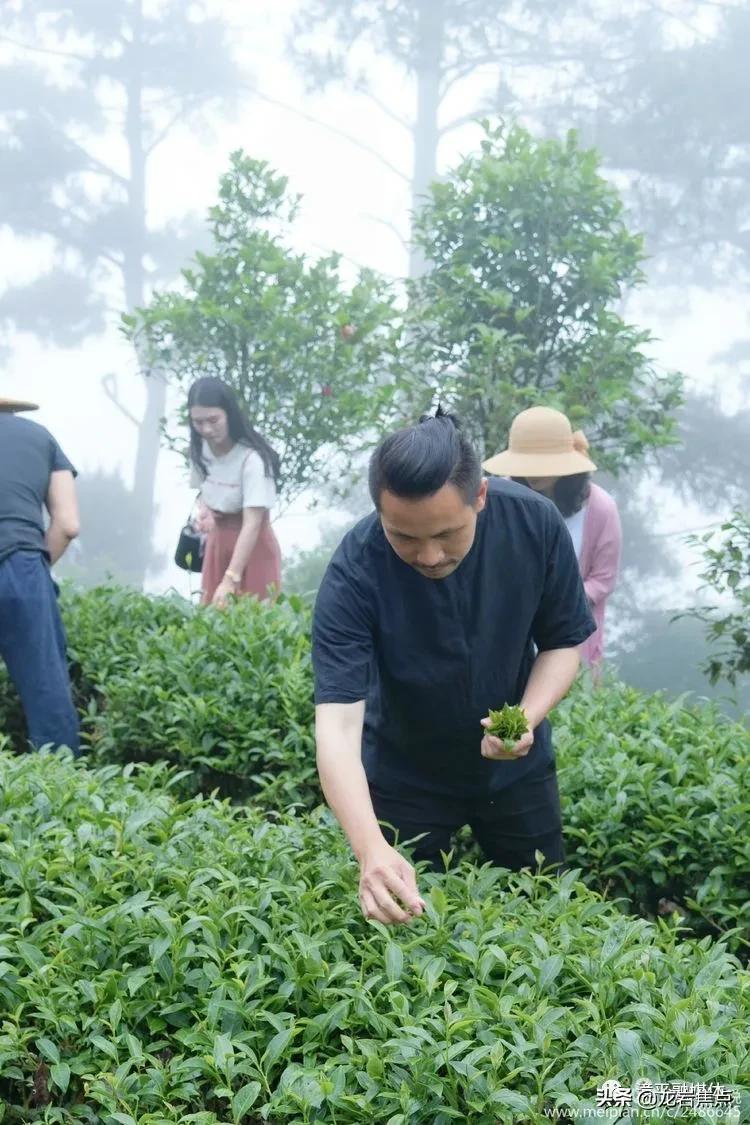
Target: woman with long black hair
[237, 472]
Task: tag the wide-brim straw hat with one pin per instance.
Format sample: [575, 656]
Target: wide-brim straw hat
[15, 405]
[541, 444]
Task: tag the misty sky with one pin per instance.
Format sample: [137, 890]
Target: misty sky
[346, 192]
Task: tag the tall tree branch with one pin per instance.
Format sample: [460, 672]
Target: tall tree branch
[386, 109]
[70, 55]
[335, 130]
[389, 226]
[457, 122]
[109, 386]
[93, 162]
[185, 110]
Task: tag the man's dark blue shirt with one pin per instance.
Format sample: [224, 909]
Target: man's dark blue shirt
[431, 657]
[28, 456]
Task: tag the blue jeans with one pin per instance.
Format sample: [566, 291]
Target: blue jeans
[32, 644]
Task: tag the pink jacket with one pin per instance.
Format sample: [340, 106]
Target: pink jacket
[599, 564]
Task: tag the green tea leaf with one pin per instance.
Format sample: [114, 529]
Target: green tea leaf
[48, 1050]
[223, 1051]
[60, 1075]
[276, 1047]
[703, 1041]
[630, 1044]
[245, 1099]
[394, 961]
[550, 969]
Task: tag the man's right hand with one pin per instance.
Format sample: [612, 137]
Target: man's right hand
[385, 881]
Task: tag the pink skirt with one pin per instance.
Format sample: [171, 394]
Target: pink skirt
[263, 569]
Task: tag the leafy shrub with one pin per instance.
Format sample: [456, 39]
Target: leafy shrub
[656, 804]
[726, 560]
[102, 626]
[228, 695]
[168, 961]
[654, 793]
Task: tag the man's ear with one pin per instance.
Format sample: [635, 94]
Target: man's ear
[481, 499]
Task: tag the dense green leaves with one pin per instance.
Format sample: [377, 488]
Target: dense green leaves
[529, 254]
[186, 958]
[656, 805]
[726, 559]
[311, 358]
[226, 695]
[509, 724]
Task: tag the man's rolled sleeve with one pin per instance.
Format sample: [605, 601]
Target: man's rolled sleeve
[342, 639]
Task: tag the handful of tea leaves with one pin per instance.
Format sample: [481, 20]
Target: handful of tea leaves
[508, 724]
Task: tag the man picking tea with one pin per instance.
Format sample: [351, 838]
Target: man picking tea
[455, 597]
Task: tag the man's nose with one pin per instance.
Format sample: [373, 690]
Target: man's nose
[430, 555]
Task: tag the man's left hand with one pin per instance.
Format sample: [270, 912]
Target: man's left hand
[494, 748]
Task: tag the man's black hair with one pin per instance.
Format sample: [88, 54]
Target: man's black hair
[418, 460]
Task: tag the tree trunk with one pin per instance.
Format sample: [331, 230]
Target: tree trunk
[149, 430]
[429, 68]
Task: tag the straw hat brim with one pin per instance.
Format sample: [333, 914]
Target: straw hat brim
[512, 464]
[14, 405]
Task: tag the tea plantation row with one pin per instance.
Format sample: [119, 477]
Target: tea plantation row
[168, 958]
[656, 794]
[166, 961]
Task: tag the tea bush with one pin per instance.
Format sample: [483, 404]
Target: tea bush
[103, 627]
[228, 695]
[655, 793]
[656, 799]
[169, 961]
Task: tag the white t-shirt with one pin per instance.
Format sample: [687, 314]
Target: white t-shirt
[575, 524]
[235, 480]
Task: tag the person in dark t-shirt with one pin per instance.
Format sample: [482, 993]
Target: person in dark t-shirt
[455, 596]
[34, 474]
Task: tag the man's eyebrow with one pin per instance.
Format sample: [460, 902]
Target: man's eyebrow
[403, 534]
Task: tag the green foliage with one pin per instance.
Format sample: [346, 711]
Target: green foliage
[311, 359]
[528, 253]
[227, 695]
[170, 962]
[656, 806]
[654, 792]
[509, 723]
[726, 557]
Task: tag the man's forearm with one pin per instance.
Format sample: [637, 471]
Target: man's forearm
[550, 679]
[58, 542]
[344, 782]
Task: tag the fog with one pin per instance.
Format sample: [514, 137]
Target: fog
[361, 103]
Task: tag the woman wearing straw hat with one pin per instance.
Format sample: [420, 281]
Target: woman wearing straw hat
[545, 454]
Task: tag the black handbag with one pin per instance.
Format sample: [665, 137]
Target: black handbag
[189, 553]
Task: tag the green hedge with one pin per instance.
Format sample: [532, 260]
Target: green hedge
[167, 961]
[226, 695]
[656, 794]
[657, 805]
